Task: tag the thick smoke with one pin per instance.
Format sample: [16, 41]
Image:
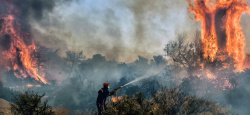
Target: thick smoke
[26, 10]
[146, 11]
[119, 30]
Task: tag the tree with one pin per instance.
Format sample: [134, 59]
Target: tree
[29, 103]
[73, 59]
[159, 59]
[5, 92]
[186, 55]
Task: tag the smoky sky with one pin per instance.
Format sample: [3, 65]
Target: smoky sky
[118, 29]
[27, 9]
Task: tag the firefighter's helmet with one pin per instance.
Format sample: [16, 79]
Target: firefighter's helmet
[105, 84]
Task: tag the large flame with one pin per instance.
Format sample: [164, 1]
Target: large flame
[19, 53]
[221, 32]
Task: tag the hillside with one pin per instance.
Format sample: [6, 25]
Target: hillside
[4, 107]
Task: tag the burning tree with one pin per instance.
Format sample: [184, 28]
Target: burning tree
[218, 52]
[216, 62]
[19, 52]
[221, 33]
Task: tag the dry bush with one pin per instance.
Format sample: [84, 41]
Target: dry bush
[132, 105]
[171, 101]
[29, 103]
[165, 101]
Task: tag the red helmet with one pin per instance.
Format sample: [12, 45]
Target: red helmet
[105, 84]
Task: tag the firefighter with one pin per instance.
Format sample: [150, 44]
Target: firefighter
[103, 93]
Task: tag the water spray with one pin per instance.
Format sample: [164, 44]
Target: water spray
[149, 74]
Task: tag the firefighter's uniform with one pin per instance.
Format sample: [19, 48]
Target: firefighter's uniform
[102, 95]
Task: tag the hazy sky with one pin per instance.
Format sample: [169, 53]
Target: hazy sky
[118, 29]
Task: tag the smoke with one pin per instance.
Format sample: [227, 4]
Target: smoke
[146, 14]
[88, 77]
[149, 74]
[119, 30]
[245, 28]
[26, 10]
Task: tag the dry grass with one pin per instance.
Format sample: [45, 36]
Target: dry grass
[61, 111]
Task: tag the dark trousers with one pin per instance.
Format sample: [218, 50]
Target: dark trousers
[100, 108]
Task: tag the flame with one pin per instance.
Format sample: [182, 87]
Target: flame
[29, 85]
[221, 32]
[38, 85]
[116, 99]
[20, 53]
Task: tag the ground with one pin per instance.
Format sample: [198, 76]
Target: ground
[4, 107]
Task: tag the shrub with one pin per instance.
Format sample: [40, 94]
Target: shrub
[29, 103]
[165, 101]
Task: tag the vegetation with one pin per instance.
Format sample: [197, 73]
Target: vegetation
[29, 103]
[184, 69]
[183, 66]
[185, 55]
[6, 93]
[165, 101]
